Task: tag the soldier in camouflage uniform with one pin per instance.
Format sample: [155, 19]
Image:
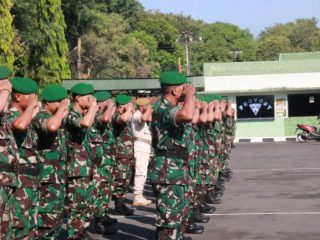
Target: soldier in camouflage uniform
[124, 152]
[225, 173]
[24, 107]
[104, 163]
[169, 169]
[214, 136]
[8, 159]
[79, 166]
[192, 134]
[45, 141]
[203, 165]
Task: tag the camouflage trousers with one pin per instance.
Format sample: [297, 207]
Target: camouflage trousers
[199, 194]
[79, 194]
[101, 197]
[50, 210]
[25, 202]
[172, 206]
[6, 212]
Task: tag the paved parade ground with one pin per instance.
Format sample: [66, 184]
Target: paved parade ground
[274, 194]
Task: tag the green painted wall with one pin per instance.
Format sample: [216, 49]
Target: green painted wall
[260, 128]
[279, 127]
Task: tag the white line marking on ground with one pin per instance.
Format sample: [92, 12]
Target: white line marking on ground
[277, 169]
[233, 214]
[266, 213]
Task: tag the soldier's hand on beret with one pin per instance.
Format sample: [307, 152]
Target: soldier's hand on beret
[92, 102]
[5, 85]
[65, 103]
[189, 90]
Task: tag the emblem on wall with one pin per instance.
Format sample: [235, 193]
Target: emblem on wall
[255, 106]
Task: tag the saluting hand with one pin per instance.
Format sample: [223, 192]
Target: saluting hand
[189, 90]
[5, 85]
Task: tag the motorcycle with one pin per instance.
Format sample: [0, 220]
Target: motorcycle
[308, 133]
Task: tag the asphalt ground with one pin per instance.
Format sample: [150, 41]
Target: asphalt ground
[274, 194]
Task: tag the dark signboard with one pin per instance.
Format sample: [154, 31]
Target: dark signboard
[255, 107]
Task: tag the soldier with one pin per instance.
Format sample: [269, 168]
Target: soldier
[8, 159]
[24, 106]
[169, 170]
[79, 167]
[124, 152]
[142, 148]
[45, 141]
[104, 162]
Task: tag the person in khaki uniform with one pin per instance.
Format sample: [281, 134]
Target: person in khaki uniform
[142, 148]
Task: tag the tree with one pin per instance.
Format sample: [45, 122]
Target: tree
[50, 54]
[7, 34]
[270, 47]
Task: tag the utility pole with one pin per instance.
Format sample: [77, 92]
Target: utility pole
[186, 39]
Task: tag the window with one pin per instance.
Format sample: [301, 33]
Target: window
[301, 105]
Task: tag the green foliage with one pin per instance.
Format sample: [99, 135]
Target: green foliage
[120, 39]
[51, 52]
[298, 36]
[7, 34]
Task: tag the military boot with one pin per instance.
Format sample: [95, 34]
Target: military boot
[199, 217]
[120, 208]
[206, 209]
[140, 200]
[193, 228]
[107, 220]
[210, 198]
[98, 225]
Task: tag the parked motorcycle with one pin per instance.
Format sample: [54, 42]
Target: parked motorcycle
[308, 133]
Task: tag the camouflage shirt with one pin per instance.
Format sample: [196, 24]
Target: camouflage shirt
[78, 143]
[124, 137]
[48, 148]
[168, 134]
[107, 149]
[26, 159]
[8, 152]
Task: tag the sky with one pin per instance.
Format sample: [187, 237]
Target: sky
[254, 15]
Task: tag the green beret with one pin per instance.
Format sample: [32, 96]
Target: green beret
[82, 89]
[102, 96]
[4, 72]
[54, 93]
[24, 85]
[217, 97]
[172, 78]
[122, 99]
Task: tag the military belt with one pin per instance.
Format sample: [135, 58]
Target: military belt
[139, 139]
[19, 169]
[181, 154]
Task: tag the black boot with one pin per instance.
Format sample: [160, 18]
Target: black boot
[120, 208]
[199, 217]
[204, 208]
[111, 229]
[193, 228]
[109, 221]
[211, 199]
[185, 238]
[99, 226]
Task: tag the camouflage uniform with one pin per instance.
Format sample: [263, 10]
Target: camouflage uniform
[204, 144]
[169, 171]
[124, 156]
[103, 167]
[25, 197]
[79, 172]
[8, 177]
[49, 149]
[228, 139]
